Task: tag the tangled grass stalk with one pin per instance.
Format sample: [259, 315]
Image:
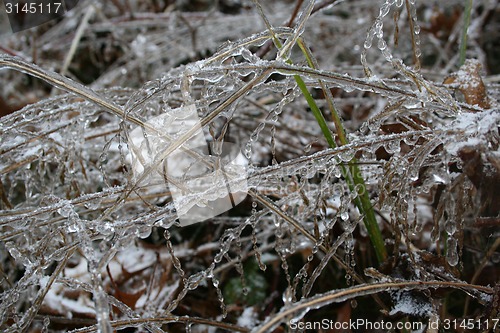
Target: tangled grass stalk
[89, 243]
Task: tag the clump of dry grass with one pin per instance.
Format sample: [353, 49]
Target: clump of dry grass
[86, 246]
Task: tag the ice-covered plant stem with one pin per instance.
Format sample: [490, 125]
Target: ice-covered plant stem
[352, 174]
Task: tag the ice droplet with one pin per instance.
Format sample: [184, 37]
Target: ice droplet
[93, 204]
[348, 89]
[308, 147]
[72, 227]
[450, 227]
[451, 253]
[337, 173]
[368, 43]
[143, 232]
[379, 32]
[65, 210]
[46, 324]
[15, 253]
[255, 134]
[248, 150]
[382, 45]
[105, 228]
[346, 156]
[495, 259]
[392, 147]
[384, 10]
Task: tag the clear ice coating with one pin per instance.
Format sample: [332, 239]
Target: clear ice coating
[204, 179]
[90, 217]
[452, 251]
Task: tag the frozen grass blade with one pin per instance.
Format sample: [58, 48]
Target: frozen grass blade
[363, 201]
[337, 296]
[284, 52]
[353, 178]
[465, 28]
[414, 37]
[177, 144]
[64, 83]
[78, 36]
[65, 161]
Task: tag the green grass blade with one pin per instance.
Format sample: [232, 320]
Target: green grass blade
[362, 201]
[353, 178]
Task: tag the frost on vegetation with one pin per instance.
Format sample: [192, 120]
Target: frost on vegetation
[90, 224]
[414, 305]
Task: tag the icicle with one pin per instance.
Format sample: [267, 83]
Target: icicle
[102, 311]
[46, 324]
[451, 251]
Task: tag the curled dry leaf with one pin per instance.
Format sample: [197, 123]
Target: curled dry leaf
[469, 82]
